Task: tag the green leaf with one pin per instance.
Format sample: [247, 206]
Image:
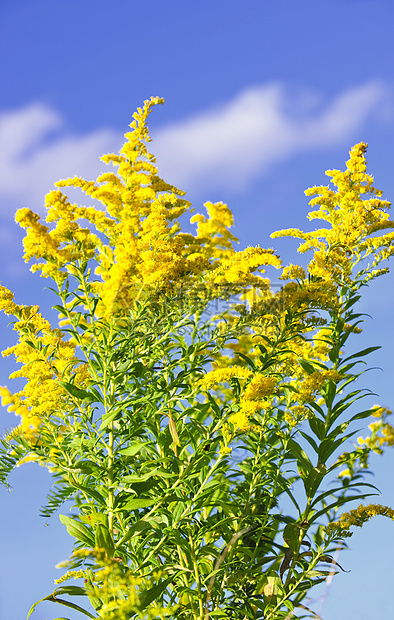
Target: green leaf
[248, 360]
[314, 480]
[70, 590]
[359, 354]
[317, 427]
[307, 365]
[133, 448]
[354, 485]
[134, 504]
[103, 539]
[136, 478]
[109, 417]
[153, 593]
[339, 502]
[61, 309]
[61, 601]
[94, 517]
[310, 440]
[137, 528]
[78, 530]
[303, 462]
[328, 446]
[173, 430]
[292, 536]
[77, 392]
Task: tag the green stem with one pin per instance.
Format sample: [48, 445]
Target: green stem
[197, 577]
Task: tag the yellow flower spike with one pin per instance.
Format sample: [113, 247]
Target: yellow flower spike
[358, 516]
[42, 394]
[259, 387]
[215, 239]
[250, 407]
[352, 217]
[293, 272]
[240, 420]
[6, 396]
[221, 375]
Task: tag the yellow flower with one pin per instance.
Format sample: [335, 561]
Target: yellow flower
[259, 387]
[352, 219]
[221, 375]
[42, 395]
[359, 516]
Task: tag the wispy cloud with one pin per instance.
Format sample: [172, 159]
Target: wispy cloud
[227, 146]
[231, 144]
[36, 151]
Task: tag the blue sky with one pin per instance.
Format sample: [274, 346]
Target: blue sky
[261, 98]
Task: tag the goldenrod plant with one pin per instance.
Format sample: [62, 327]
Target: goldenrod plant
[194, 418]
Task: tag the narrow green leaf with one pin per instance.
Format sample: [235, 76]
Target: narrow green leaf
[61, 309]
[77, 392]
[61, 601]
[78, 530]
[107, 418]
[136, 478]
[311, 441]
[248, 360]
[314, 480]
[103, 539]
[292, 535]
[133, 448]
[94, 517]
[173, 430]
[153, 593]
[339, 502]
[303, 462]
[134, 530]
[362, 353]
[134, 504]
[70, 590]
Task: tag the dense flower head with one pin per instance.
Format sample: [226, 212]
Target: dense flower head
[382, 432]
[220, 375]
[357, 518]
[42, 396]
[354, 213]
[139, 243]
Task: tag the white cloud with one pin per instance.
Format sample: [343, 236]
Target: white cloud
[232, 144]
[36, 151]
[227, 146]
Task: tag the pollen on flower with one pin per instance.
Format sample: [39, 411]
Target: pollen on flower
[259, 387]
[353, 211]
[221, 375]
[357, 518]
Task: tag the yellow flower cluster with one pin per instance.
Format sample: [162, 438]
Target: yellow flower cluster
[42, 395]
[139, 248]
[116, 586]
[314, 382]
[357, 517]
[77, 242]
[293, 272]
[352, 219]
[212, 231]
[72, 574]
[311, 295]
[296, 414]
[382, 433]
[222, 375]
[253, 398]
[240, 420]
[259, 387]
[238, 269]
